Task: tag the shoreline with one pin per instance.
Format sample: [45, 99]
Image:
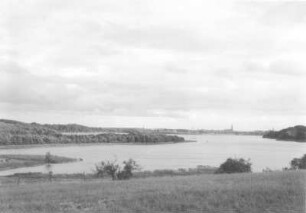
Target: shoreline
[200, 169]
[17, 161]
[24, 146]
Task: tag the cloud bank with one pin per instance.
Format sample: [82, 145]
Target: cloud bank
[175, 64]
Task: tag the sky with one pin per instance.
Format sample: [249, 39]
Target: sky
[192, 64]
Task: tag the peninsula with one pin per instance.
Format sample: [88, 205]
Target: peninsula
[296, 133]
[20, 133]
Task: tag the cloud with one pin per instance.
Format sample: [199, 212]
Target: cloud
[182, 63]
[23, 89]
[285, 13]
[162, 37]
[276, 13]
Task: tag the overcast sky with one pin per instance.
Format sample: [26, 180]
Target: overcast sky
[154, 63]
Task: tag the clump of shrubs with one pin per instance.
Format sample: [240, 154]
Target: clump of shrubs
[235, 165]
[298, 163]
[114, 170]
[267, 170]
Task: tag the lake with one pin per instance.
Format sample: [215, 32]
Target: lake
[209, 150]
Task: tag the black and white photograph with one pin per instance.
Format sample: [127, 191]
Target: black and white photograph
[152, 106]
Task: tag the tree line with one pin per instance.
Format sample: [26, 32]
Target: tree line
[20, 139]
[18, 133]
[296, 133]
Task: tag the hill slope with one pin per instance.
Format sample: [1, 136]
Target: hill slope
[20, 133]
[296, 133]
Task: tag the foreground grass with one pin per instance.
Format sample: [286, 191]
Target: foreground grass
[279, 192]
[18, 161]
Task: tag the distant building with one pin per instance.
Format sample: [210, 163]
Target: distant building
[230, 130]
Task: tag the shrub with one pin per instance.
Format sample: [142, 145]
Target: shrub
[48, 158]
[234, 165]
[266, 170]
[129, 167]
[114, 170]
[298, 163]
[107, 168]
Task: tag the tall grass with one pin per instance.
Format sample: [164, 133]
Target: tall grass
[279, 192]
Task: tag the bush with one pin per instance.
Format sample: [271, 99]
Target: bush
[234, 165]
[107, 168]
[298, 163]
[129, 167]
[267, 170]
[48, 158]
[114, 170]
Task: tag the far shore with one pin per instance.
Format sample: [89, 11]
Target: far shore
[85, 144]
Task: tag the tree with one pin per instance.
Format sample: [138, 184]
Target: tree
[114, 170]
[298, 163]
[235, 165]
[48, 161]
[48, 158]
[129, 167]
[107, 168]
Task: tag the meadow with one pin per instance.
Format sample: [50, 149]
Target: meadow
[279, 192]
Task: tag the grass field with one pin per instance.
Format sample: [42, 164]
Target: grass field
[279, 192]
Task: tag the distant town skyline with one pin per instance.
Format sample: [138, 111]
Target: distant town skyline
[160, 64]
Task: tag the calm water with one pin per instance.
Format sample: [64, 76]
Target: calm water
[208, 150]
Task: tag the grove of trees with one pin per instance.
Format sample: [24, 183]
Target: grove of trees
[296, 133]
